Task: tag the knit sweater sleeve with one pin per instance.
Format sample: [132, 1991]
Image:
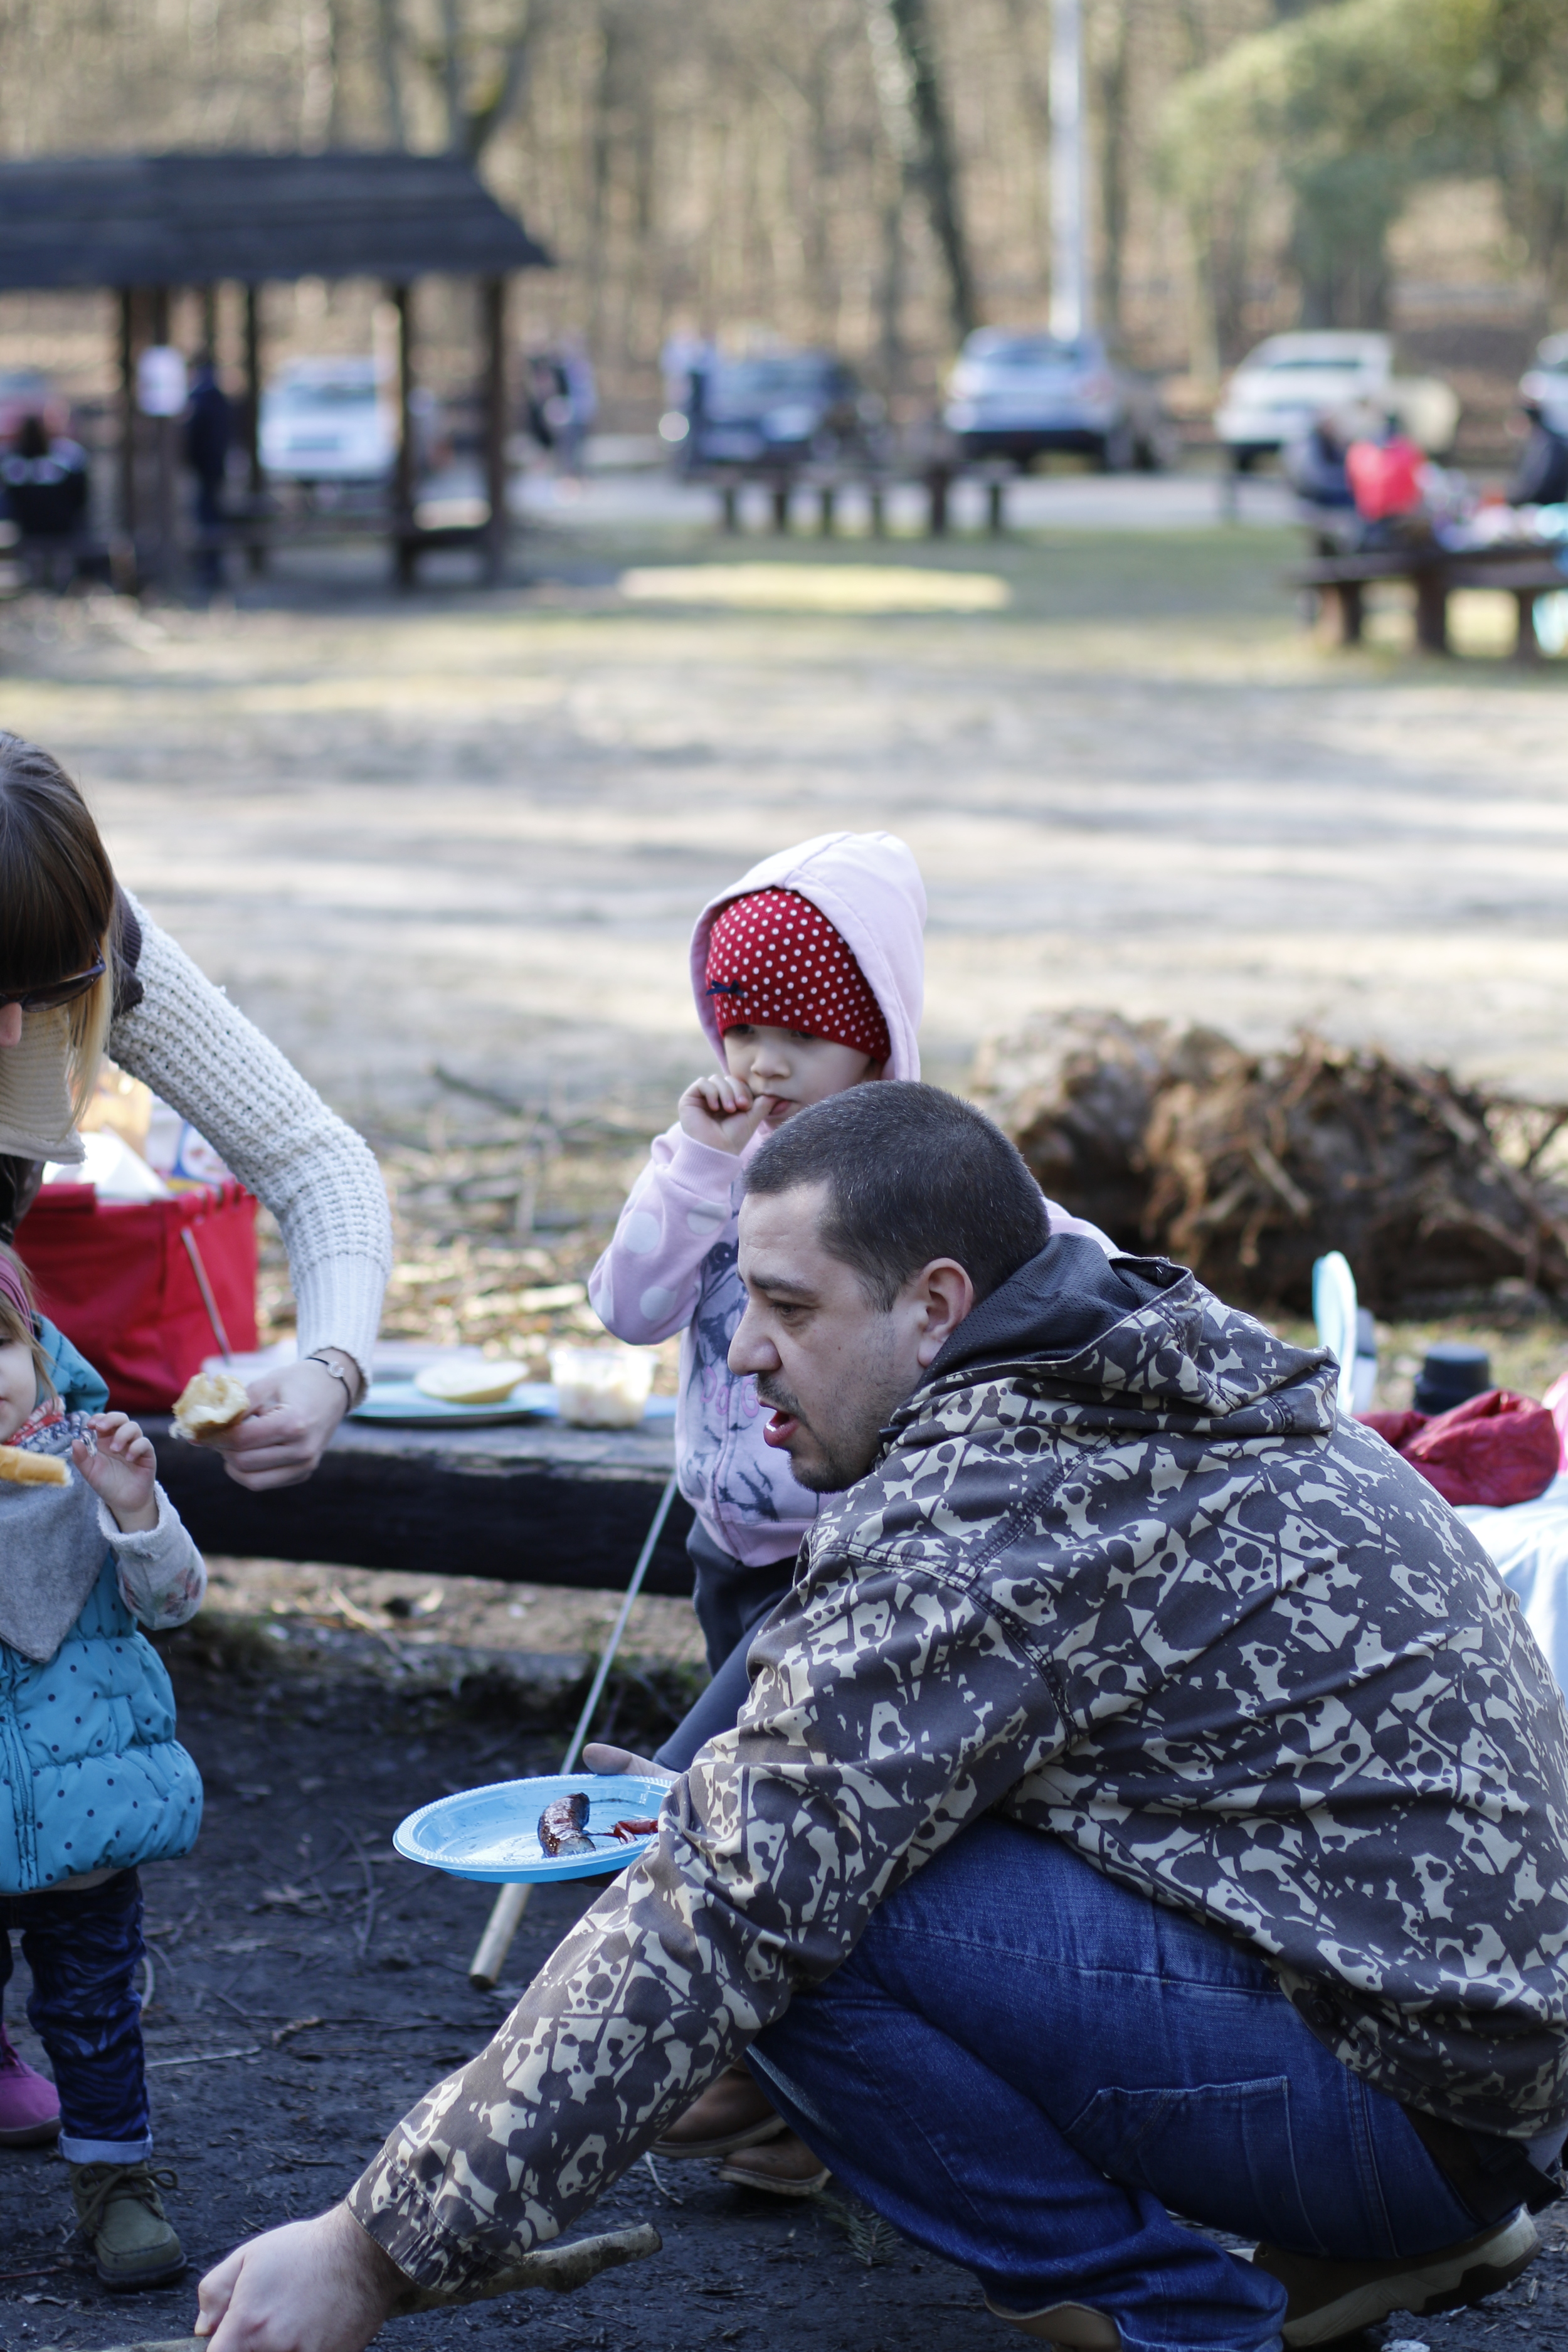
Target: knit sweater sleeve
[320, 1179]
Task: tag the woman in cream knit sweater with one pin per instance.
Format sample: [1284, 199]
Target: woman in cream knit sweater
[83, 969]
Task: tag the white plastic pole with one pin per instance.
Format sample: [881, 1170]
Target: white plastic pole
[1072, 305]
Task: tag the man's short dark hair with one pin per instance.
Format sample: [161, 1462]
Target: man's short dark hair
[912, 1174]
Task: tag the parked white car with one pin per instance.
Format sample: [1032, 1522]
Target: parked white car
[1287, 382]
[334, 420]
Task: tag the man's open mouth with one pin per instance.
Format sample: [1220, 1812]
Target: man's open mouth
[779, 1427]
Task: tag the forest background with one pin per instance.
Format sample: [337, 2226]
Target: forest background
[872, 174]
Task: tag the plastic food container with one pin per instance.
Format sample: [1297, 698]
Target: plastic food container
[602, 1388]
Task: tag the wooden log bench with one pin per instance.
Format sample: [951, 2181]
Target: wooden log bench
[1340, 581]
[528, 1503]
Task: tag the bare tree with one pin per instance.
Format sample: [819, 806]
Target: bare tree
[915, 87]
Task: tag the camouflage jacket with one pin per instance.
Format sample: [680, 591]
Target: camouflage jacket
[1122, 1574]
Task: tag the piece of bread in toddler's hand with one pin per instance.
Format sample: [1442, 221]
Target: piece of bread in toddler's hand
[24, 1469]
[210, 1404]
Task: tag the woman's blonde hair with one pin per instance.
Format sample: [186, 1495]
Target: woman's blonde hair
[17, 1329]
[57, 906]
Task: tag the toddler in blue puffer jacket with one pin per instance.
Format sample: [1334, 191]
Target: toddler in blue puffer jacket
[96, 1780]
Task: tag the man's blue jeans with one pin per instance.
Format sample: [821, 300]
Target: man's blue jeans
[1027, 2068]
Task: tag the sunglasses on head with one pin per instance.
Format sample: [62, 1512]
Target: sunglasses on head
[58, 992]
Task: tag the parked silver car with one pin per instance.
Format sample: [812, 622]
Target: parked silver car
[1022, 395]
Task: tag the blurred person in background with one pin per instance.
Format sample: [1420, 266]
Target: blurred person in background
[209, 430]
[44, 477]
[1542, 478]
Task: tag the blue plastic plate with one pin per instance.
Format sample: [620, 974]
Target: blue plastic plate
[400, 1402]
[493, 1832]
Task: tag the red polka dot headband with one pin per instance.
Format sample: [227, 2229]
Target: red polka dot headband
[774, 961]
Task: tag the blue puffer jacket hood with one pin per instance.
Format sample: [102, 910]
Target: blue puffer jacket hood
[88, 1760]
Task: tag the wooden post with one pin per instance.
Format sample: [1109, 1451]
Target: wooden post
[730, 494]
[496, 413]
[1431, 612]
[995, 516]
[878, 511]
[255, 550]
[826, 503]
[780, 502]
[937, 483]
[404, 557]
[1526, 644]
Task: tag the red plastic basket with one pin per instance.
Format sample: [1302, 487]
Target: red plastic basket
[117, 1277]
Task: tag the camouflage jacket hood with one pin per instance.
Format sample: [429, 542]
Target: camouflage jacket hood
[1122, 1574]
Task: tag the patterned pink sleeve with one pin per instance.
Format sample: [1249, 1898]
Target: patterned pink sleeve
[162, 1576]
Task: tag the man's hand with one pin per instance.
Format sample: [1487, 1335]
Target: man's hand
[120, 1471]
[600, 1759]
[723, 1111]
[311, 2286]
[294, 1411]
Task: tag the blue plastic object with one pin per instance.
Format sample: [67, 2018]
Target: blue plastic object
[1334, 1313]
[492, 1833]
[405, 1406]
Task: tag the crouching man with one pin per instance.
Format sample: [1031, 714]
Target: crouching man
[1149, 1804]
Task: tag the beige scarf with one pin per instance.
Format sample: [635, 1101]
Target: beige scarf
[35, 1090]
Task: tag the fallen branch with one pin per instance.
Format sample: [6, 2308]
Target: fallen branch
[206, 2057]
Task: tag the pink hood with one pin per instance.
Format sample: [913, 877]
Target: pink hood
[869, 887]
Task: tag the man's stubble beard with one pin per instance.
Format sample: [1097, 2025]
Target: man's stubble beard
[849, 1454]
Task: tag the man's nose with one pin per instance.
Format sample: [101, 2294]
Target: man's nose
[10, 1024]
[751, 1350]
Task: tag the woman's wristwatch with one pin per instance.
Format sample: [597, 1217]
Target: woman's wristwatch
[319, 1356]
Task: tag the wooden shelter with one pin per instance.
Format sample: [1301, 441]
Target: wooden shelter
[146, 225]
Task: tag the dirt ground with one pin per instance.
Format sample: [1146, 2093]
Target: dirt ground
[448, 851]
[309, 1985]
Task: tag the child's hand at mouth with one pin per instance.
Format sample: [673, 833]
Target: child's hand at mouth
[723, 1111]
[120, 1471]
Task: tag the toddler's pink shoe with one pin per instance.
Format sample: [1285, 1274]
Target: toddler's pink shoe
[29, 2104]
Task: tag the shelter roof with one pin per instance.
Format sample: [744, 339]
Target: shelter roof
[191, 220]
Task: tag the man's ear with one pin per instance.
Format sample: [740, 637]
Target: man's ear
[945, 1294]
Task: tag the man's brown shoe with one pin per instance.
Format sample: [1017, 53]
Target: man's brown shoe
[785, 2168]
[731, 2113]
[1333, 2299]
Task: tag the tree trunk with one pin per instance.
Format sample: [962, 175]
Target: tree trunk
[391, 65]
[1111, 78]
[935, 168]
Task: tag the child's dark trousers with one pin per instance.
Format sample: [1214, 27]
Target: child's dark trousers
[82, 1949]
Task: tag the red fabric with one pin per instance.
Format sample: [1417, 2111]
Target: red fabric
[117, 1280]
[774, 961]
[1385, 476]
[1497, 1448]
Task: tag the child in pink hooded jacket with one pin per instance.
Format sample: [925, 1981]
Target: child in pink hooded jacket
[808, 975]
